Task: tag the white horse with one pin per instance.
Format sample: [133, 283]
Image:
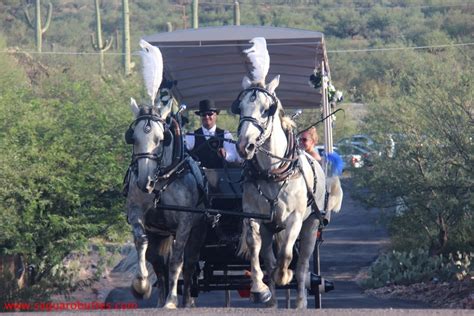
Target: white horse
[158, 175]
[282, 181]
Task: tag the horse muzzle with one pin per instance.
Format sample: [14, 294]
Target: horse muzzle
[147, 186]
[246, 150]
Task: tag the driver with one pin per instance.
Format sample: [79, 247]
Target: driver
[207, 144]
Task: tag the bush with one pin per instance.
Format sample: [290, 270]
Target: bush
[404, 268]
[62, 164]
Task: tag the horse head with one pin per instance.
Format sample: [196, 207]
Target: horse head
[149, 134]
[257, 106]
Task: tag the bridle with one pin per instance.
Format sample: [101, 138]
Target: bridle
[264, 130]
[287, 164]
[146, 129]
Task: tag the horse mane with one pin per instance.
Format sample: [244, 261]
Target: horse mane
[286, 122]
[148, 110]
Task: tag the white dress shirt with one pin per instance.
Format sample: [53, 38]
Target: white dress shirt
[230, 151]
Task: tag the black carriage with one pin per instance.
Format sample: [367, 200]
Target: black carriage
[207, 63]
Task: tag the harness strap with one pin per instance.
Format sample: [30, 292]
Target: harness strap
[288, 168]
[272, 202]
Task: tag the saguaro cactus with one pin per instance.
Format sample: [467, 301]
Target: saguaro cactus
[97, 43]
[195, 14]
[36, 24]
[236, 13]
[126, 37]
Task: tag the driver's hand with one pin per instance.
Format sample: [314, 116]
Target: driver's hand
[221, 152]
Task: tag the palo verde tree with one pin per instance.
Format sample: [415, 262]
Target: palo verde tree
[429, 114]
[62, 160]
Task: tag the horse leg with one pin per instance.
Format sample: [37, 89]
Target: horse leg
[141, 287]
[269, 261]
[282, 275]
[157, 254]
[260, 293]
[308, 240]
[176, 262]
[191, 258]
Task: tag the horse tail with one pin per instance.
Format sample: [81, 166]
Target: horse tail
[165, 246]
[243, 250]
[335, 194]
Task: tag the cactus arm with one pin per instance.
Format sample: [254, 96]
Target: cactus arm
[28, 18]
[48, 19]
[93, 42]
[108, 43]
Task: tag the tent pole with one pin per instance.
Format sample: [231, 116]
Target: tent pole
[328, 142]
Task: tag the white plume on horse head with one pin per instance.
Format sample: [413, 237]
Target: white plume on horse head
[152, 68]
[260, 60]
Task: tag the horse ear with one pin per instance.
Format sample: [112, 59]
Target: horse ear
[134, 107]
[166, 102]
[166, 109]
[273, 84]
[246, 83]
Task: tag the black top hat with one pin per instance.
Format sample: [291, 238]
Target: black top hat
[207, 106]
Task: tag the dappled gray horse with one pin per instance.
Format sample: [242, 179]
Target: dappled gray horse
[279, 180]
[160, 173]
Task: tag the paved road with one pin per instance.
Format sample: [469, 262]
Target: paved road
[352, 241]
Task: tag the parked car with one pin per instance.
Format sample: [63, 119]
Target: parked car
[361, 140]
[356, 156]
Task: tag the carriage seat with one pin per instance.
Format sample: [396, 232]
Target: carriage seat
[224, 183]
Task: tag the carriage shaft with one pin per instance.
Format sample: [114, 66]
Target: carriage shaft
[212, 211]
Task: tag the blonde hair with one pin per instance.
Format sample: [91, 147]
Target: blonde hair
[313, 133]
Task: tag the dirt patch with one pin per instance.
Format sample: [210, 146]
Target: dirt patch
[452, 295]
[97, 273]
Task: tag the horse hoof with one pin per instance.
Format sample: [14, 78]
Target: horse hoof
[141, 291]
[272, 303]
[261, 297]
[301, 304]
[171, 302]
[190, 304]
[283, 277]
[170, 306]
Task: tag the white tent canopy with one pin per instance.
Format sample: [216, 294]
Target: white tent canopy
[208, 62]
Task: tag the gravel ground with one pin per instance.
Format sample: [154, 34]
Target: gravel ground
[452, 295]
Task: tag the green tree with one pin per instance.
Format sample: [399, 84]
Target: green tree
[429, 113]
[62, 162]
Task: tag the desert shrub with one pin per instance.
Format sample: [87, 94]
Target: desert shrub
[408, 267]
